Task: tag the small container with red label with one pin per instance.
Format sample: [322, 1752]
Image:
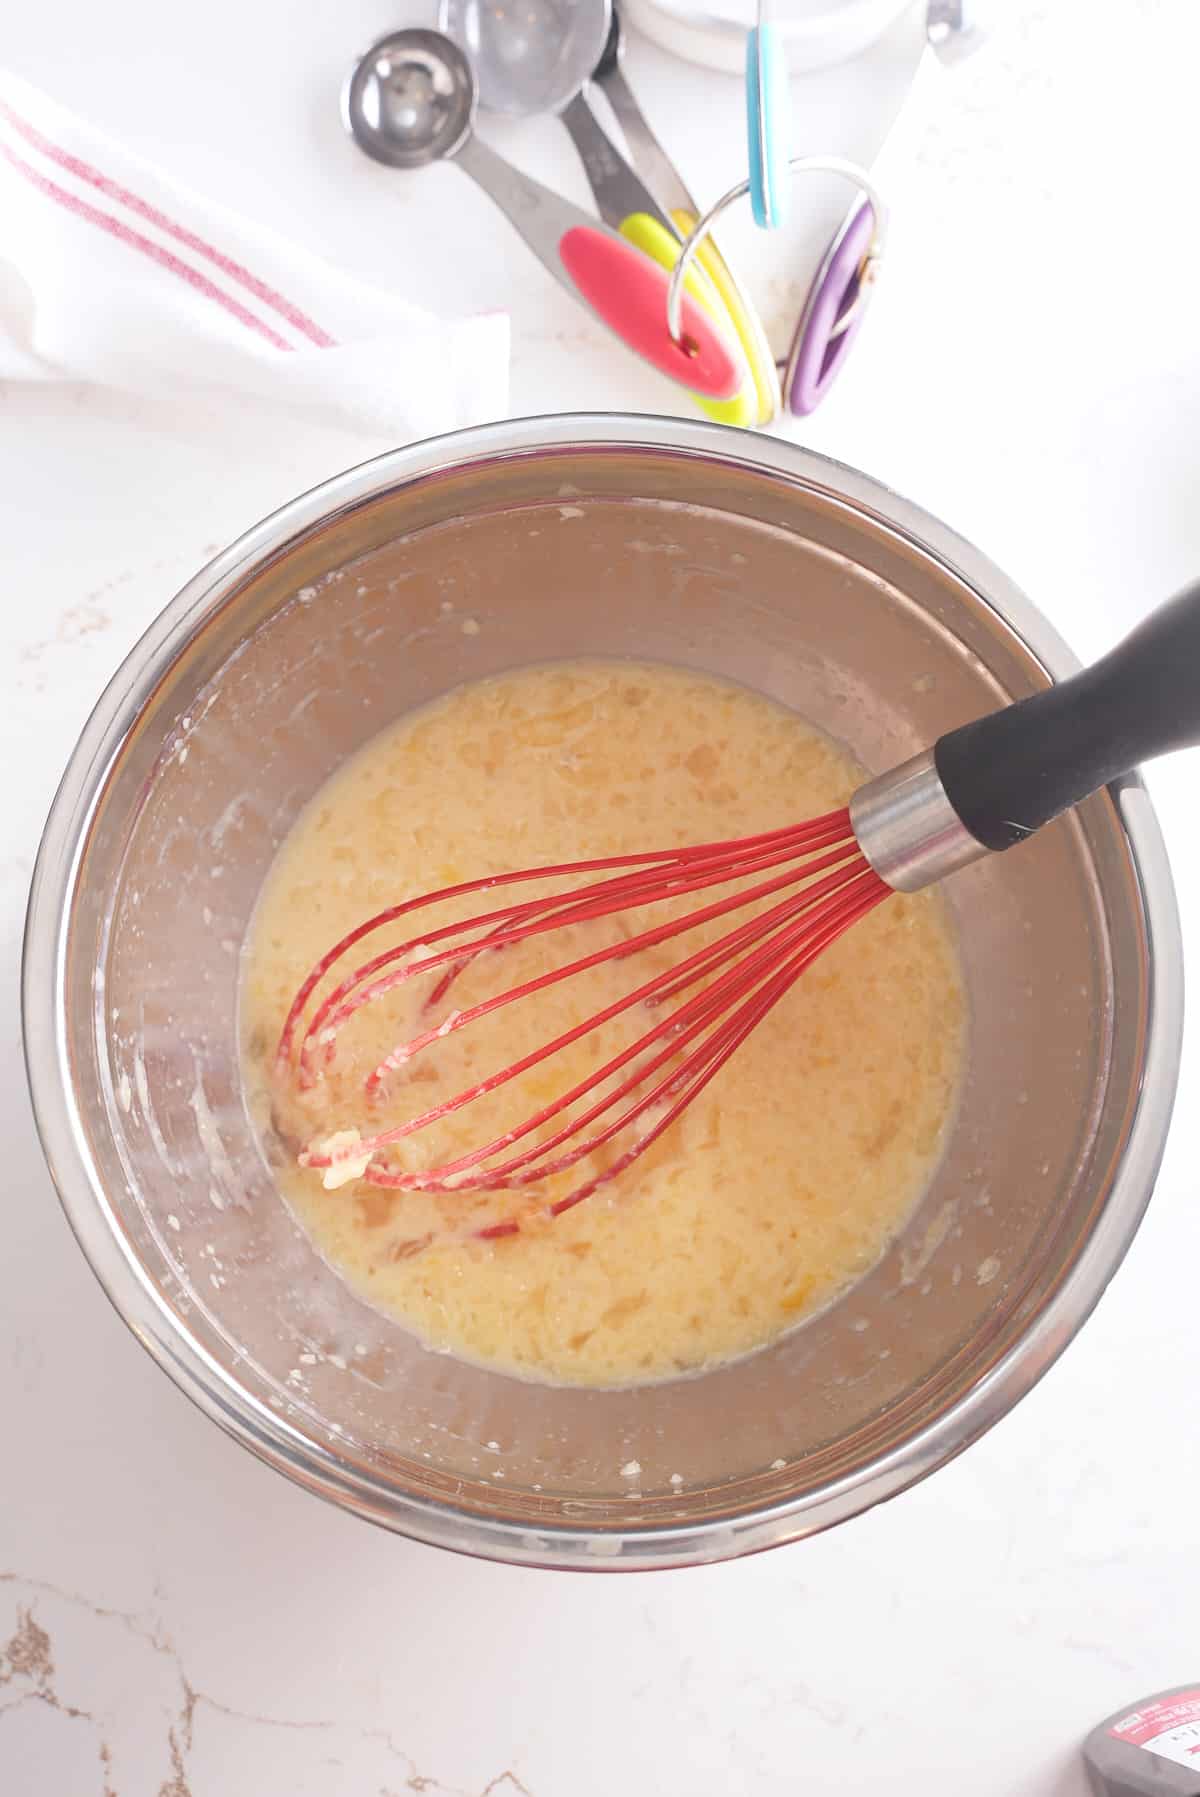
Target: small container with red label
[1151, 1749]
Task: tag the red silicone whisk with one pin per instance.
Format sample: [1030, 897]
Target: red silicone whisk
[982, 788]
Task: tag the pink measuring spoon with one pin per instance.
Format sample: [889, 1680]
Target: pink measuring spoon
[410, 101]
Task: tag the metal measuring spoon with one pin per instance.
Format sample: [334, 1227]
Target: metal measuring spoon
[536, 56]
[410, 101]
[529, 56]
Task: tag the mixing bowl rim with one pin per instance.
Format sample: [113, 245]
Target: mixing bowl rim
[267, 1434]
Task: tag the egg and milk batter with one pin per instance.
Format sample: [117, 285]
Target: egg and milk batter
[786, 1177]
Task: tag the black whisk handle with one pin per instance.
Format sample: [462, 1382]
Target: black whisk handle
[1011, 772]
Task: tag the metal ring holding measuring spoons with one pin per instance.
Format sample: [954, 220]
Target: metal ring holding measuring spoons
[837, 298]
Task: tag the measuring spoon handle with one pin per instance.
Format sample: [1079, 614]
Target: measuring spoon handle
[626, 203]
[624, 288]
[619, 192]
[651, 160]
[666, 183]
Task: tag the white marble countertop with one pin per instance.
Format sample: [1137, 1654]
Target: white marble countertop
[181, 1622]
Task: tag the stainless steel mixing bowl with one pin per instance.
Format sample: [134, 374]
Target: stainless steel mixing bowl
[444, 562]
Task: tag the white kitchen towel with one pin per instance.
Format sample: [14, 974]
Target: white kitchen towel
[112, 273]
